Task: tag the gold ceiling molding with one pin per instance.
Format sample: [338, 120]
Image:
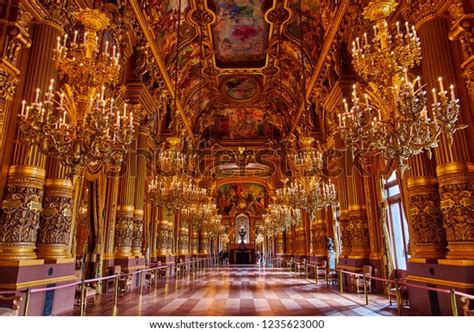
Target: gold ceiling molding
[328, 41]
[149, 36]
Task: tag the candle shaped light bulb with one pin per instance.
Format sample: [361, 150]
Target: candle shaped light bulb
[414, 31]
[346, 107]
[124, 108]
[102, 93]
[407, 26]
[111, 104]
[106, 48]
[61, 99]
[85, 36]
[113, 51]
[398, 27]
[453, 95]
[131, 120]
[441, 87]
[65, 39]
[23, 104]
[37, 95]
[75, 36]
[366, 99]
[357, 42]
[405, 71]
[435, 98]
[58, 45]
[418, 80]
[366, 42]
[375, 30]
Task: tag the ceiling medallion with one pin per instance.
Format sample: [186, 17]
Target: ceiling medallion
[240, 88]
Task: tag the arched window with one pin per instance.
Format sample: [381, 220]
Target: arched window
[397, 223]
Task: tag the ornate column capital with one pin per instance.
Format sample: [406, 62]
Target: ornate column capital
[419, 12]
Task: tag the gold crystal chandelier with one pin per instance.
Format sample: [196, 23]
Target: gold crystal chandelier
[307, 160]
[79, 124]
[390, 115]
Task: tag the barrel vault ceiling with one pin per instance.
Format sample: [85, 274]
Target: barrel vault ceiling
[239, 62]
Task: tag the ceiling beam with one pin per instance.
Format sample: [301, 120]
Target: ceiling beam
[341, 11]
[149, 36]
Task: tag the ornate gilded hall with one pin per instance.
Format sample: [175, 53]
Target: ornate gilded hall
[236, 157]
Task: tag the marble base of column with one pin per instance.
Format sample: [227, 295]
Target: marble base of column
[20, 213]
[426, 221]
[456, 187]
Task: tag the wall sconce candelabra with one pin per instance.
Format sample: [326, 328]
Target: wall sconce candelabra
[79, 124]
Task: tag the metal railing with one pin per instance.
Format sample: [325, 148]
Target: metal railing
[193, 266]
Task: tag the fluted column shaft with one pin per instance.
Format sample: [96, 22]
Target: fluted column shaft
[455, 170]
[19, 219]
[319, 235]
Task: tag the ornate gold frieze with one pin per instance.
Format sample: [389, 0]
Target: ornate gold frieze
[359, 233]
[124, 231]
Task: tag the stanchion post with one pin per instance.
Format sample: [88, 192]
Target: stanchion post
[306, 269]
[365, 289]
[156, 278]
[27, 302]
[341, 282]
[454, 305]
[82, 299]
[399, 298]
[116, 290]
[140, 275]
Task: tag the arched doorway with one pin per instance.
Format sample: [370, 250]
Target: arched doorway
[242, 221]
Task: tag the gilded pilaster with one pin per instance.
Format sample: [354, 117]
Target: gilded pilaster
[290, 249]
[183, 239]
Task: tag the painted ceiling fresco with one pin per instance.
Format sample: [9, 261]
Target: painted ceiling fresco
[240, 32]
[238, 55]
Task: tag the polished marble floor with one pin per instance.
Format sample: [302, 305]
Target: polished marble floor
[245, 291]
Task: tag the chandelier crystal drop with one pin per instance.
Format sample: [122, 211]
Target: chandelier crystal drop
[79, 124]
[390, 115]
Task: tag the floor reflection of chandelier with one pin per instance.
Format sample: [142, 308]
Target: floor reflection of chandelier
[391, 116]
[79, 124]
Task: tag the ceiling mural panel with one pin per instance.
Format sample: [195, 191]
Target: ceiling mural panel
[311, 25]
[240, 123]
[240, 32]
[240, 88]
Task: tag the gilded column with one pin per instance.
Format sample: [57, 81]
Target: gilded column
[137, 240]
[455, 170]
[358, 223]
[319, 236]
[300, 244]
[183, 238]
[162, 238]
[290, 250]
[194, 241]
[155, 230]
[280, 248]
[20, 216]
[56, 218]
[14, 36]
[204, 247]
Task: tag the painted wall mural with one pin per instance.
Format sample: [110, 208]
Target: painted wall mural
[240, 32]
[242, 196]
[240, 123]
